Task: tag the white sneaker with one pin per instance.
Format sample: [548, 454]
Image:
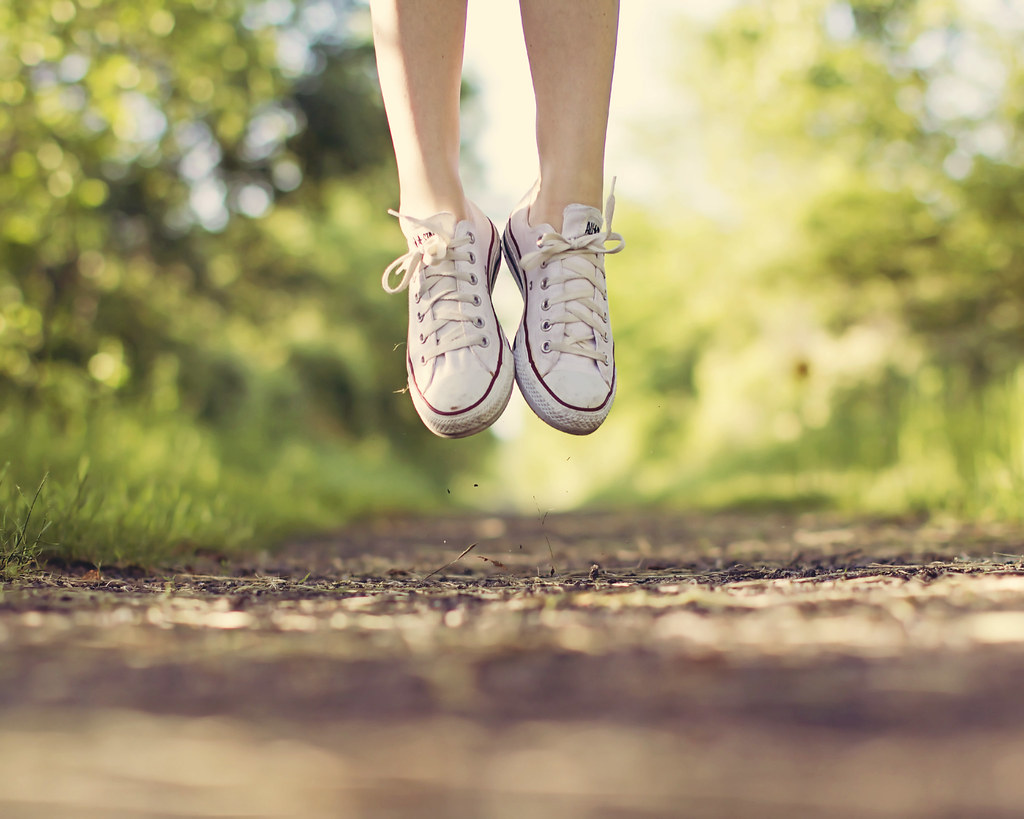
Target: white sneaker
[564, 353]
[459, 361]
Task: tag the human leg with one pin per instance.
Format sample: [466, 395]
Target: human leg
[419, 46]
[571, 47]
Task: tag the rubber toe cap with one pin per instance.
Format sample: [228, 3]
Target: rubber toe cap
[457, 392]
[582, 390]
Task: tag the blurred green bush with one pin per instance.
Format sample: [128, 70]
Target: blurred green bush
[192, 200]
[826, 306]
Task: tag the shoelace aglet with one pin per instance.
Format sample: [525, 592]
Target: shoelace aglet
[609, 206]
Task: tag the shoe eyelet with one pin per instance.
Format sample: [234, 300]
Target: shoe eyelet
[544, 284]
[472, 237]
[545, 347]
[478, 322]
[419, 317]
[476, 301]
[607, 361]
[423, 359]
[485, 342]
[544, 305]
[544, 265]
[473, 277]
[604, 337]
[418, 297]
[545, 325]
[472, 257]
[437, 341]
[604, 318]
[423, 338]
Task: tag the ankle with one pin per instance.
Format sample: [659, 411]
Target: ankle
[551, 201]
[424, 201]
[424, 208]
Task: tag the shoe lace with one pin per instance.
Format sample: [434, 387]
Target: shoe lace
[580, 294]
[438, 298]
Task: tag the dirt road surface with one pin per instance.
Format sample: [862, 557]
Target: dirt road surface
[595, 665]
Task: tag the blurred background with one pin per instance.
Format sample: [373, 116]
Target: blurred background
[821, 303]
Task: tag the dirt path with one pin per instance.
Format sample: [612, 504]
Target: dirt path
[759, 665]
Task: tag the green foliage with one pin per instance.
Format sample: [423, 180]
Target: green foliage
[133, 133]
[192, 208]
[840, 321]
[913, 165]
[134, 487]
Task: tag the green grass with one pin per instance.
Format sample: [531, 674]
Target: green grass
[125, 487]
[122, 486]
[934, 447]
[21, 531]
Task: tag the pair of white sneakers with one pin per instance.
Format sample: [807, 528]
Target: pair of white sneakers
[460, 365]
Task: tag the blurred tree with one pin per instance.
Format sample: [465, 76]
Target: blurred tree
[840, 247]
[191, 216]
[907, 115]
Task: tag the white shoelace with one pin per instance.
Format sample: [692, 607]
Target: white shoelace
[583, 300]
[437, 302]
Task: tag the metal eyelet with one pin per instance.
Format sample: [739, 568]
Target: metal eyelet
[544, 305]
[423, 338]
[478, 322]
[545, 347]
[472, 237]
[472, 257]
[485, 342]
[544, 284]
[423, 359]
[545, 325]
[419, 317]
[544, 265]
[607, 361]
[473, 277]
[476, 301]
[418, 297]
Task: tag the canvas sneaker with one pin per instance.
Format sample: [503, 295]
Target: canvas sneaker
[459, 362]
[564, 352]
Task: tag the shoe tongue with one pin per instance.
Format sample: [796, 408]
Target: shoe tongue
[441, 224]
[580, 220]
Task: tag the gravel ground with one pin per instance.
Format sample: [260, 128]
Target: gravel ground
[584, 665]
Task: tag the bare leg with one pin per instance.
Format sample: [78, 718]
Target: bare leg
[571, 45]
[419, 45]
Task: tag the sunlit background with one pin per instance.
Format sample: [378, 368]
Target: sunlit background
[820, 304]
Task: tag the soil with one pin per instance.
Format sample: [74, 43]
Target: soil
[604, 665]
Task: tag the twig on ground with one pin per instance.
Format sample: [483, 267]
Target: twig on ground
[465, 552]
